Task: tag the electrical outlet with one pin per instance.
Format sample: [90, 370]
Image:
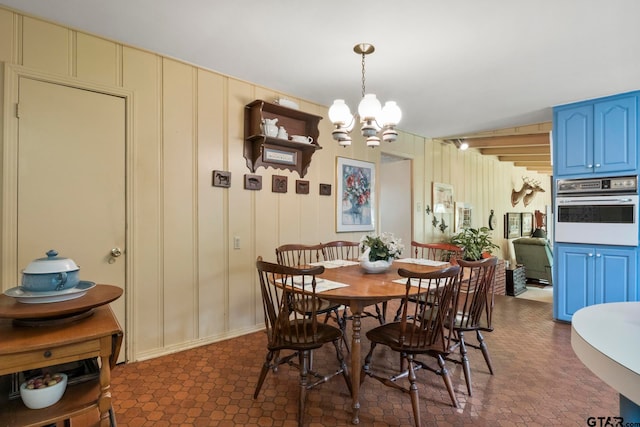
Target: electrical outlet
[236, 242]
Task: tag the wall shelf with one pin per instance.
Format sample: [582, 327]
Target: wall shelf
[279, 153]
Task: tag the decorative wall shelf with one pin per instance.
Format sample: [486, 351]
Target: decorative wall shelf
[279, 153]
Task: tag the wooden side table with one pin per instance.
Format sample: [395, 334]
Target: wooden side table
[25, 347]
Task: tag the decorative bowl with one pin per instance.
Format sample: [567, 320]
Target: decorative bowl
[288, 103]
[38, 398]
[52, 273]
[373, 267]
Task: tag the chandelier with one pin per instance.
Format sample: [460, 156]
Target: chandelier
[376, 120]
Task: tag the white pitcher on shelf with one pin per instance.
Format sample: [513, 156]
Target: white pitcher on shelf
[282, 133]
[270, 127]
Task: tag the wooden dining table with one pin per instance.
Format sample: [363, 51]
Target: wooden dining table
[364, 290]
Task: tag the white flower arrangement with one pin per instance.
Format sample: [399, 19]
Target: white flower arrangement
[382, 246]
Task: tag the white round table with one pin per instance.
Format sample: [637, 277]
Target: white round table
[606, 338]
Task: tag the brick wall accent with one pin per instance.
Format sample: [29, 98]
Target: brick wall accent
[500, 279]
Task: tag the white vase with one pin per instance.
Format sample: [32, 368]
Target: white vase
[373, 267]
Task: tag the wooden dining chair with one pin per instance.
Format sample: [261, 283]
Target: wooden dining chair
[282, 288]
[297, 255]
[421, 331]
[436, 251]
[341, 249]
[446, 252]
[474, 301]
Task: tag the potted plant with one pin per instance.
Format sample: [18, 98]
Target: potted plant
[475, 241]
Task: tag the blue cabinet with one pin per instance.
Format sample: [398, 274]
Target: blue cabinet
[596, 137]
[593, 274]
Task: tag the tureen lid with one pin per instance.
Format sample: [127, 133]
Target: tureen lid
[51, 264]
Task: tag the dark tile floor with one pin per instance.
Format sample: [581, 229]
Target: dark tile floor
[538, 381]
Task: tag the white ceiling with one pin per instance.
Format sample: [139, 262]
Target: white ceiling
[454, 67]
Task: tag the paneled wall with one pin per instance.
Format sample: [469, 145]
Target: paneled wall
[189, 285]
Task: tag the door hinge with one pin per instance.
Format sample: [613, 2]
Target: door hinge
[17, 110]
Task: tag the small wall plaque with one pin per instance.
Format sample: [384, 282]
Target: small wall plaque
[302, 186]
[221, 179]
[325, 189]
[252, 182]
[279, 184]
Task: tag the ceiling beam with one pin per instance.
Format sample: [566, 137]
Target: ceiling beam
[516, 150]
[509, 141]
[545, 158]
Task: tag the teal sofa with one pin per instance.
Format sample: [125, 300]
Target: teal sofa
[536, 256]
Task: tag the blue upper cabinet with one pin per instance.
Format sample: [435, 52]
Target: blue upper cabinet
[596, 137]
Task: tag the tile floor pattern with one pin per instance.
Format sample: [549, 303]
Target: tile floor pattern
[538, 381]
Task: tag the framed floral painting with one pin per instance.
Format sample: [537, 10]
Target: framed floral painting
[355, 195]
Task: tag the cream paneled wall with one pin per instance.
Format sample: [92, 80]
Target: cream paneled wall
[188, 285]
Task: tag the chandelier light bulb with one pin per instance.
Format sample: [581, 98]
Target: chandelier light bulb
[369, 108]
[339, 113]
[391, 114]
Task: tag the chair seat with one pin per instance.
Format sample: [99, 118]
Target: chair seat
[322, 306]
[304, 339]
[389, 333]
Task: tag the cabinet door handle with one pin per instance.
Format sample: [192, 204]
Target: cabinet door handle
[590, 166]
[598, 255]
[597, 165]
[589, 254]
[47, 354]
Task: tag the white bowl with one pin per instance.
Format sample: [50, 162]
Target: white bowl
[38, 398]
[288, 103]
[301, 138]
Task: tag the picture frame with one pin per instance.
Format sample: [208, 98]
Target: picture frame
[526, 224]
[278, 184]
[463, 215]
[442, 195]
[252, 182]
[512, 225]
[325, 189]
[282, 157]
[355, 195]
[221, 179]
[302, 186]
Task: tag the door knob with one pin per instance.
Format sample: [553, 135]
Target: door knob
[116, 252]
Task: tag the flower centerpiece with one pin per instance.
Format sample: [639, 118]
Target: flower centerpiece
[378, 251]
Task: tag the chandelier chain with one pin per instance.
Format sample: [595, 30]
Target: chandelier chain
[363, 89]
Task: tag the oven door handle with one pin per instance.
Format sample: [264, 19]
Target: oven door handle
[582, 201]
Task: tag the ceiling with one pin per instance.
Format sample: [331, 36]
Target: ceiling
[455, 69]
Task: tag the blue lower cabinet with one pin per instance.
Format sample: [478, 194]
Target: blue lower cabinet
[592, 274]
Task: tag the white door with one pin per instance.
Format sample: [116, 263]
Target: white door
[395, 199]
[71, 180]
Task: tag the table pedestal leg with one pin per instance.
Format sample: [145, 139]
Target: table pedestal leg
[355, 365]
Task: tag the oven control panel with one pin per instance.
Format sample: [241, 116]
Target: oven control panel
[618, 184]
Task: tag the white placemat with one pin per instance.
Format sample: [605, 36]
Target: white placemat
[422, 261]
[322, 285]
[414, 282]
[335, 263]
